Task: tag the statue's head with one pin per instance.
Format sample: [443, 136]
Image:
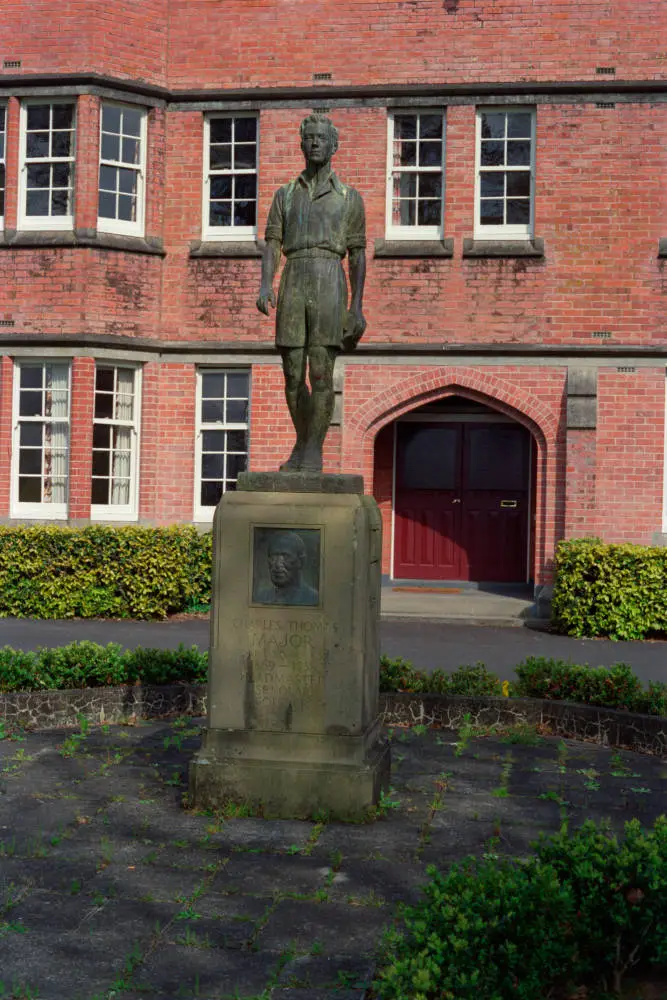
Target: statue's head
[287, 557]
[319, 139]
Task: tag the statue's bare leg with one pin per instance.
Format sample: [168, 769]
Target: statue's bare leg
[298, 402]
[321, 361]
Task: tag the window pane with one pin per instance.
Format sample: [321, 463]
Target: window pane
[212, 466]
[213, 385]
[100, 491]
[101, 460]
[220, 213]
[492, 154]
[518, 212]
[493, 125]
[106, 206]
[404, 213]
[518, 184]
[212, 411]
[37, 144]
[60, 175]
[405, 186]
[405, 154]
[63, 115]
[405, 126]
[130, 151]
[235, 464]
[110, 118]
[30, 435]
[430, 154]
[430, 127]
[30, 490]
[492, 185]
[210, 494]
[214, 440]
[127, 181]
[221, 186]
[101, 435]
[244, 213]
[244, 187]
[31, 376]
[30, 404]
[37, 203]
[131, 121]
[103, 405]
[245, 129]
[491, 212]
[518, 126]
[244, 157]
[428, 213]
[38, 116]
[430, 185]
[220, 157]
[221, 130]
[59, 203]
[61, 144]
[127, 208]
[110, 147]
[237, 411]
[30, 461]
[518, 153]
[108, 178]
[237, 441]
[39, 175]
[237, 385]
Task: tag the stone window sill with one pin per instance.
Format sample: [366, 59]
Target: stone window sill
[414, 248]
[13, 239]
[241, 249]
[503, 248]
[662, 247]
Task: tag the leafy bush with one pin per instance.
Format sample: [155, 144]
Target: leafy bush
[400, 675]
[583, 911]
[86, 664]
[47, 571]
[614, 687]
[614, 590]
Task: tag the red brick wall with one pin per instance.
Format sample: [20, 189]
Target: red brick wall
[81, 437]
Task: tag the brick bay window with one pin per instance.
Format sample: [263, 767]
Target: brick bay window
[40, 453]
[504, 199]
[121, 192]
[3, 121]
[221, 449]
[47, 165]
[415, 190]
[230, 177]
[115, 442]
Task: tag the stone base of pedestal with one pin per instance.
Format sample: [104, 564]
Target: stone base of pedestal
[290, 789]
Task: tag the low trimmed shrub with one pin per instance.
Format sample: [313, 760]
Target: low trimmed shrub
[610, 590]
[585, 910]
[86, 664]
[101, 571]
[473, 681]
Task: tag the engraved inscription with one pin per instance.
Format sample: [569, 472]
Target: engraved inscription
[286, 567]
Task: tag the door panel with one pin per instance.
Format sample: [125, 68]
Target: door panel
[461, 502]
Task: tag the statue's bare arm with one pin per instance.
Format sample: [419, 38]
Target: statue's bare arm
[270, 261]
[355, 323]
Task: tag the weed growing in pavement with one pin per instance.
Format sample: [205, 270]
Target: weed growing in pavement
[503, 789]
[387, 802]
[619, 769]
[465, 735]
[591, 783]
[132, 960]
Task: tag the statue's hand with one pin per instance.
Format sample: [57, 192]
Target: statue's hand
[355, 324]
[265, 298]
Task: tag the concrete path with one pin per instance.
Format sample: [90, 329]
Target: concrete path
[109, 888]
[429, 644]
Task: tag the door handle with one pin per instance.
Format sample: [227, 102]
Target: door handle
[509, 503]
[456, 501]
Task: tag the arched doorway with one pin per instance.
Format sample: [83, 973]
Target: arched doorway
[462, 493]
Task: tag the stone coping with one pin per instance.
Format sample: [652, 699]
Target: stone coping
[606, 726]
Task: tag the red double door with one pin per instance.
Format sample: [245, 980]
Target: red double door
[462, 502]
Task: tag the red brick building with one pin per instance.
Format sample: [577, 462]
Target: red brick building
[512, 155]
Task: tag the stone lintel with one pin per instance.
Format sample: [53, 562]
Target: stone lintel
[414, 248]
[299, 482]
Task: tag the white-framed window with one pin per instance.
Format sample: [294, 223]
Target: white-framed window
[40, 453]
[505, 173]
[3, 133]
[231, 145]
[122, 177]
[221, 452]
[416, 174]
[47, 164]
[113, 493]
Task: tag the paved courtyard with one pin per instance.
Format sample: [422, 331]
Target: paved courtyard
[110, 888]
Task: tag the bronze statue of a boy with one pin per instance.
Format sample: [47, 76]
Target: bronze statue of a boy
[316, 220]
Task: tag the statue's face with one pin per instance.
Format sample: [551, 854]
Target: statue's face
[284, 566]
[317, 143]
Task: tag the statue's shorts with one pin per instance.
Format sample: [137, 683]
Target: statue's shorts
[312, 300]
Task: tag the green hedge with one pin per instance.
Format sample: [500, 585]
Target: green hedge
[610, 590]
[102, 572]
[583, 913]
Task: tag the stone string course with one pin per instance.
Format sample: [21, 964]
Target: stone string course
[606, 726]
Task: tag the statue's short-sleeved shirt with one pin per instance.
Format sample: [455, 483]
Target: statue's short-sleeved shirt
[331, 219]
[315, 229]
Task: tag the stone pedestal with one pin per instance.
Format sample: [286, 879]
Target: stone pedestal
[293, 723]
